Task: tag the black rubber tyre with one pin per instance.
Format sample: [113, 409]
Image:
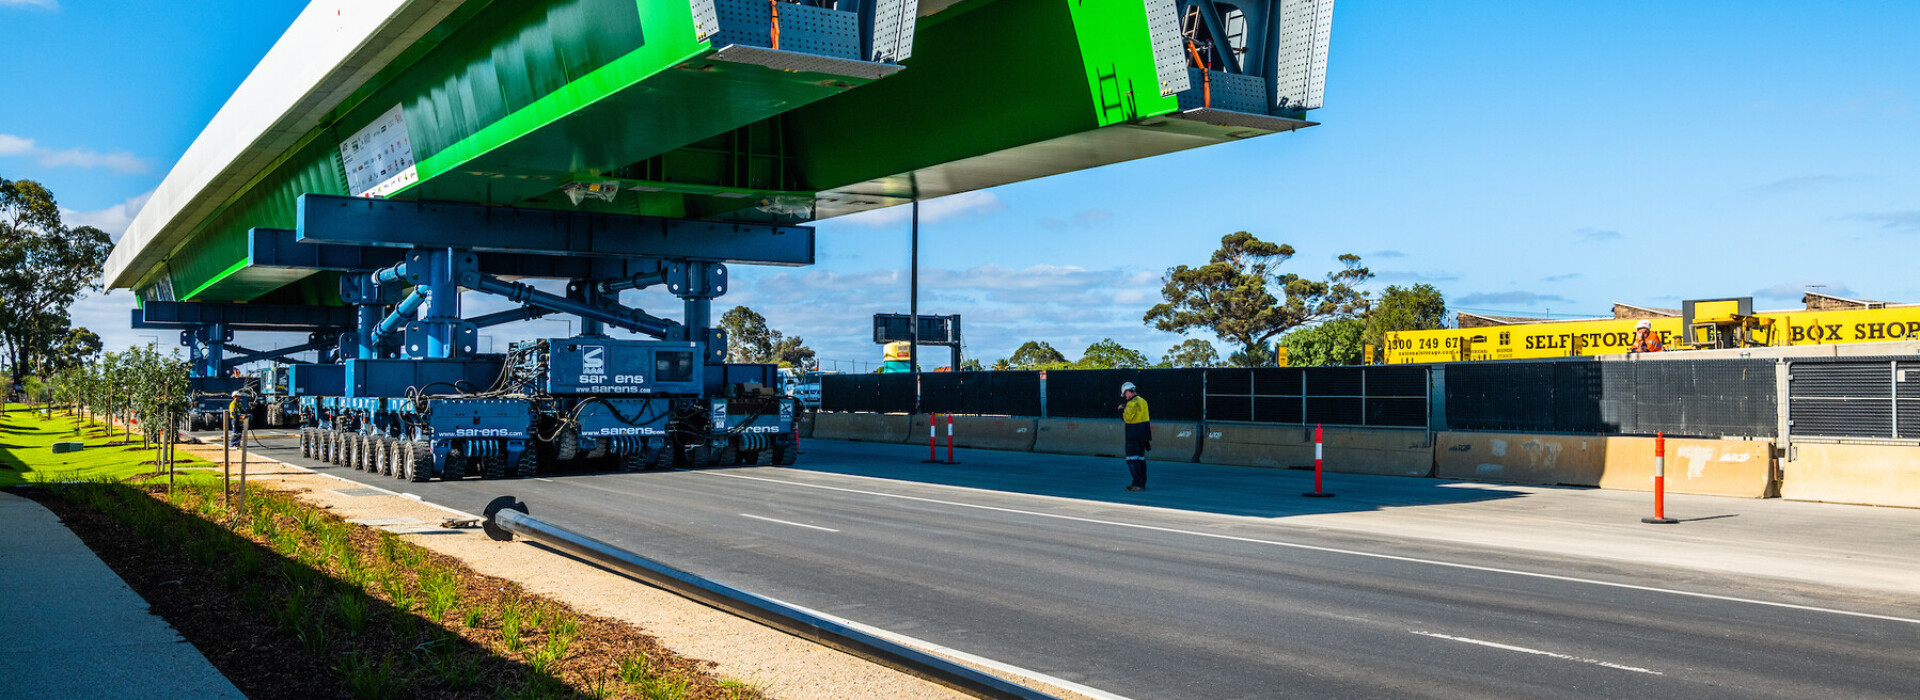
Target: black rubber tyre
[634, 461]
[786, 451]
[417, 470]
[529, 463]
[306, 442]
[494, 467]
[726, 456]
[418, 459]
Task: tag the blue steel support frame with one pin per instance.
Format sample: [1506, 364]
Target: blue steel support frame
[207, 328]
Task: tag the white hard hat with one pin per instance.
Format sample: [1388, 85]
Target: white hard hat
[1644, 323]
[236, 393]
[1124, 388]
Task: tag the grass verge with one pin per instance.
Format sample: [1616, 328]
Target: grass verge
[26, 452]
[290, 601]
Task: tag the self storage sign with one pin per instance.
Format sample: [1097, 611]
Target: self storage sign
[1614, 336]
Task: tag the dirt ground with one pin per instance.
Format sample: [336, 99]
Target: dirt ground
[780, 665]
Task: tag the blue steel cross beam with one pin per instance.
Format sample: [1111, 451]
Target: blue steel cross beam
[207, 328]
[455, 246]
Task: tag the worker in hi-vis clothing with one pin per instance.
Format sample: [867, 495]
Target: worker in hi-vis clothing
[236, 407]
[1139, 435]
[1644, 339]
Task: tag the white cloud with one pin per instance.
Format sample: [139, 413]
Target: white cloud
[1904, 221]
[123, 162]
[950, 208]
[1792, 291]
[32, 4]
[114, 219]
[1523, 298]
[11, 145]
[1594, 235]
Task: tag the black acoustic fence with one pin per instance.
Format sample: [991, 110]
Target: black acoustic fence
[1875, 398]
[1376, 396]
[1678, 397]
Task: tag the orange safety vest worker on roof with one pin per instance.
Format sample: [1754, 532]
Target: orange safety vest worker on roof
[1644, 339]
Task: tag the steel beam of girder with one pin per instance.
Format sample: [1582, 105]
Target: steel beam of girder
[612, 314]
[240, 356]
[406, 224]
[241, 317]
[282, 248]
[524, 313]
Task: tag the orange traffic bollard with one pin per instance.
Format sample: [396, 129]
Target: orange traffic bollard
[1659, 482]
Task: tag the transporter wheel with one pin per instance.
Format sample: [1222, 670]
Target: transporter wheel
[329, 446]
[377, 458]
[419, 467]
[786, 450]
[396, 452]
[493, 467]
[635, 461]
[416, 456]
[306, 442]
[727, 455]
[764, 456]
[529, 463]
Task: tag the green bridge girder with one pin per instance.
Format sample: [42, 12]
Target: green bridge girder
[505, 103]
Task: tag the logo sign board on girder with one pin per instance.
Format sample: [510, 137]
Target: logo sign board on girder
[379, 157]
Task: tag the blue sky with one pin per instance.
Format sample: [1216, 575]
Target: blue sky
[1524, 157]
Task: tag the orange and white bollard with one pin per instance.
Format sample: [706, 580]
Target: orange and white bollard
[950, 459]
[1318, 467]
[1659, 482]
[933, 439]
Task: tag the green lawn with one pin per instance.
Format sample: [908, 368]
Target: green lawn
[26, 452]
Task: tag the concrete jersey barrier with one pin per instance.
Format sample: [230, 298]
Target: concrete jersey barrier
[1874, 475]
[978, 432]
[1707, 467]
[1080, 436]
[862, 427]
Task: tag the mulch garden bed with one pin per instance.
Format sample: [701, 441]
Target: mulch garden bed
[292, 602]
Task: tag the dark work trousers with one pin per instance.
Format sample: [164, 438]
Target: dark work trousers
[1139, 440]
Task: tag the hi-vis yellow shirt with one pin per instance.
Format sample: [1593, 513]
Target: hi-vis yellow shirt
[1136, 411]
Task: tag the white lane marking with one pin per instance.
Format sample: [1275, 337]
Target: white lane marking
[1336, 550]
[783, 522]
[1524, 650]
[538, 478]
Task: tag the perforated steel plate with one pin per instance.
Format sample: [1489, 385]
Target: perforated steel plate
[1306, 26]
[893, 23]
[706, 18]
[1169, 57]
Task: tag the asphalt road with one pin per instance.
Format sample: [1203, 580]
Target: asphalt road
[1206, 591]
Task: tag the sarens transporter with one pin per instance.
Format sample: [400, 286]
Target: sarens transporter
[389, 156]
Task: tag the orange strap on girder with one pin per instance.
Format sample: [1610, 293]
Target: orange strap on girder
[1206, 75]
